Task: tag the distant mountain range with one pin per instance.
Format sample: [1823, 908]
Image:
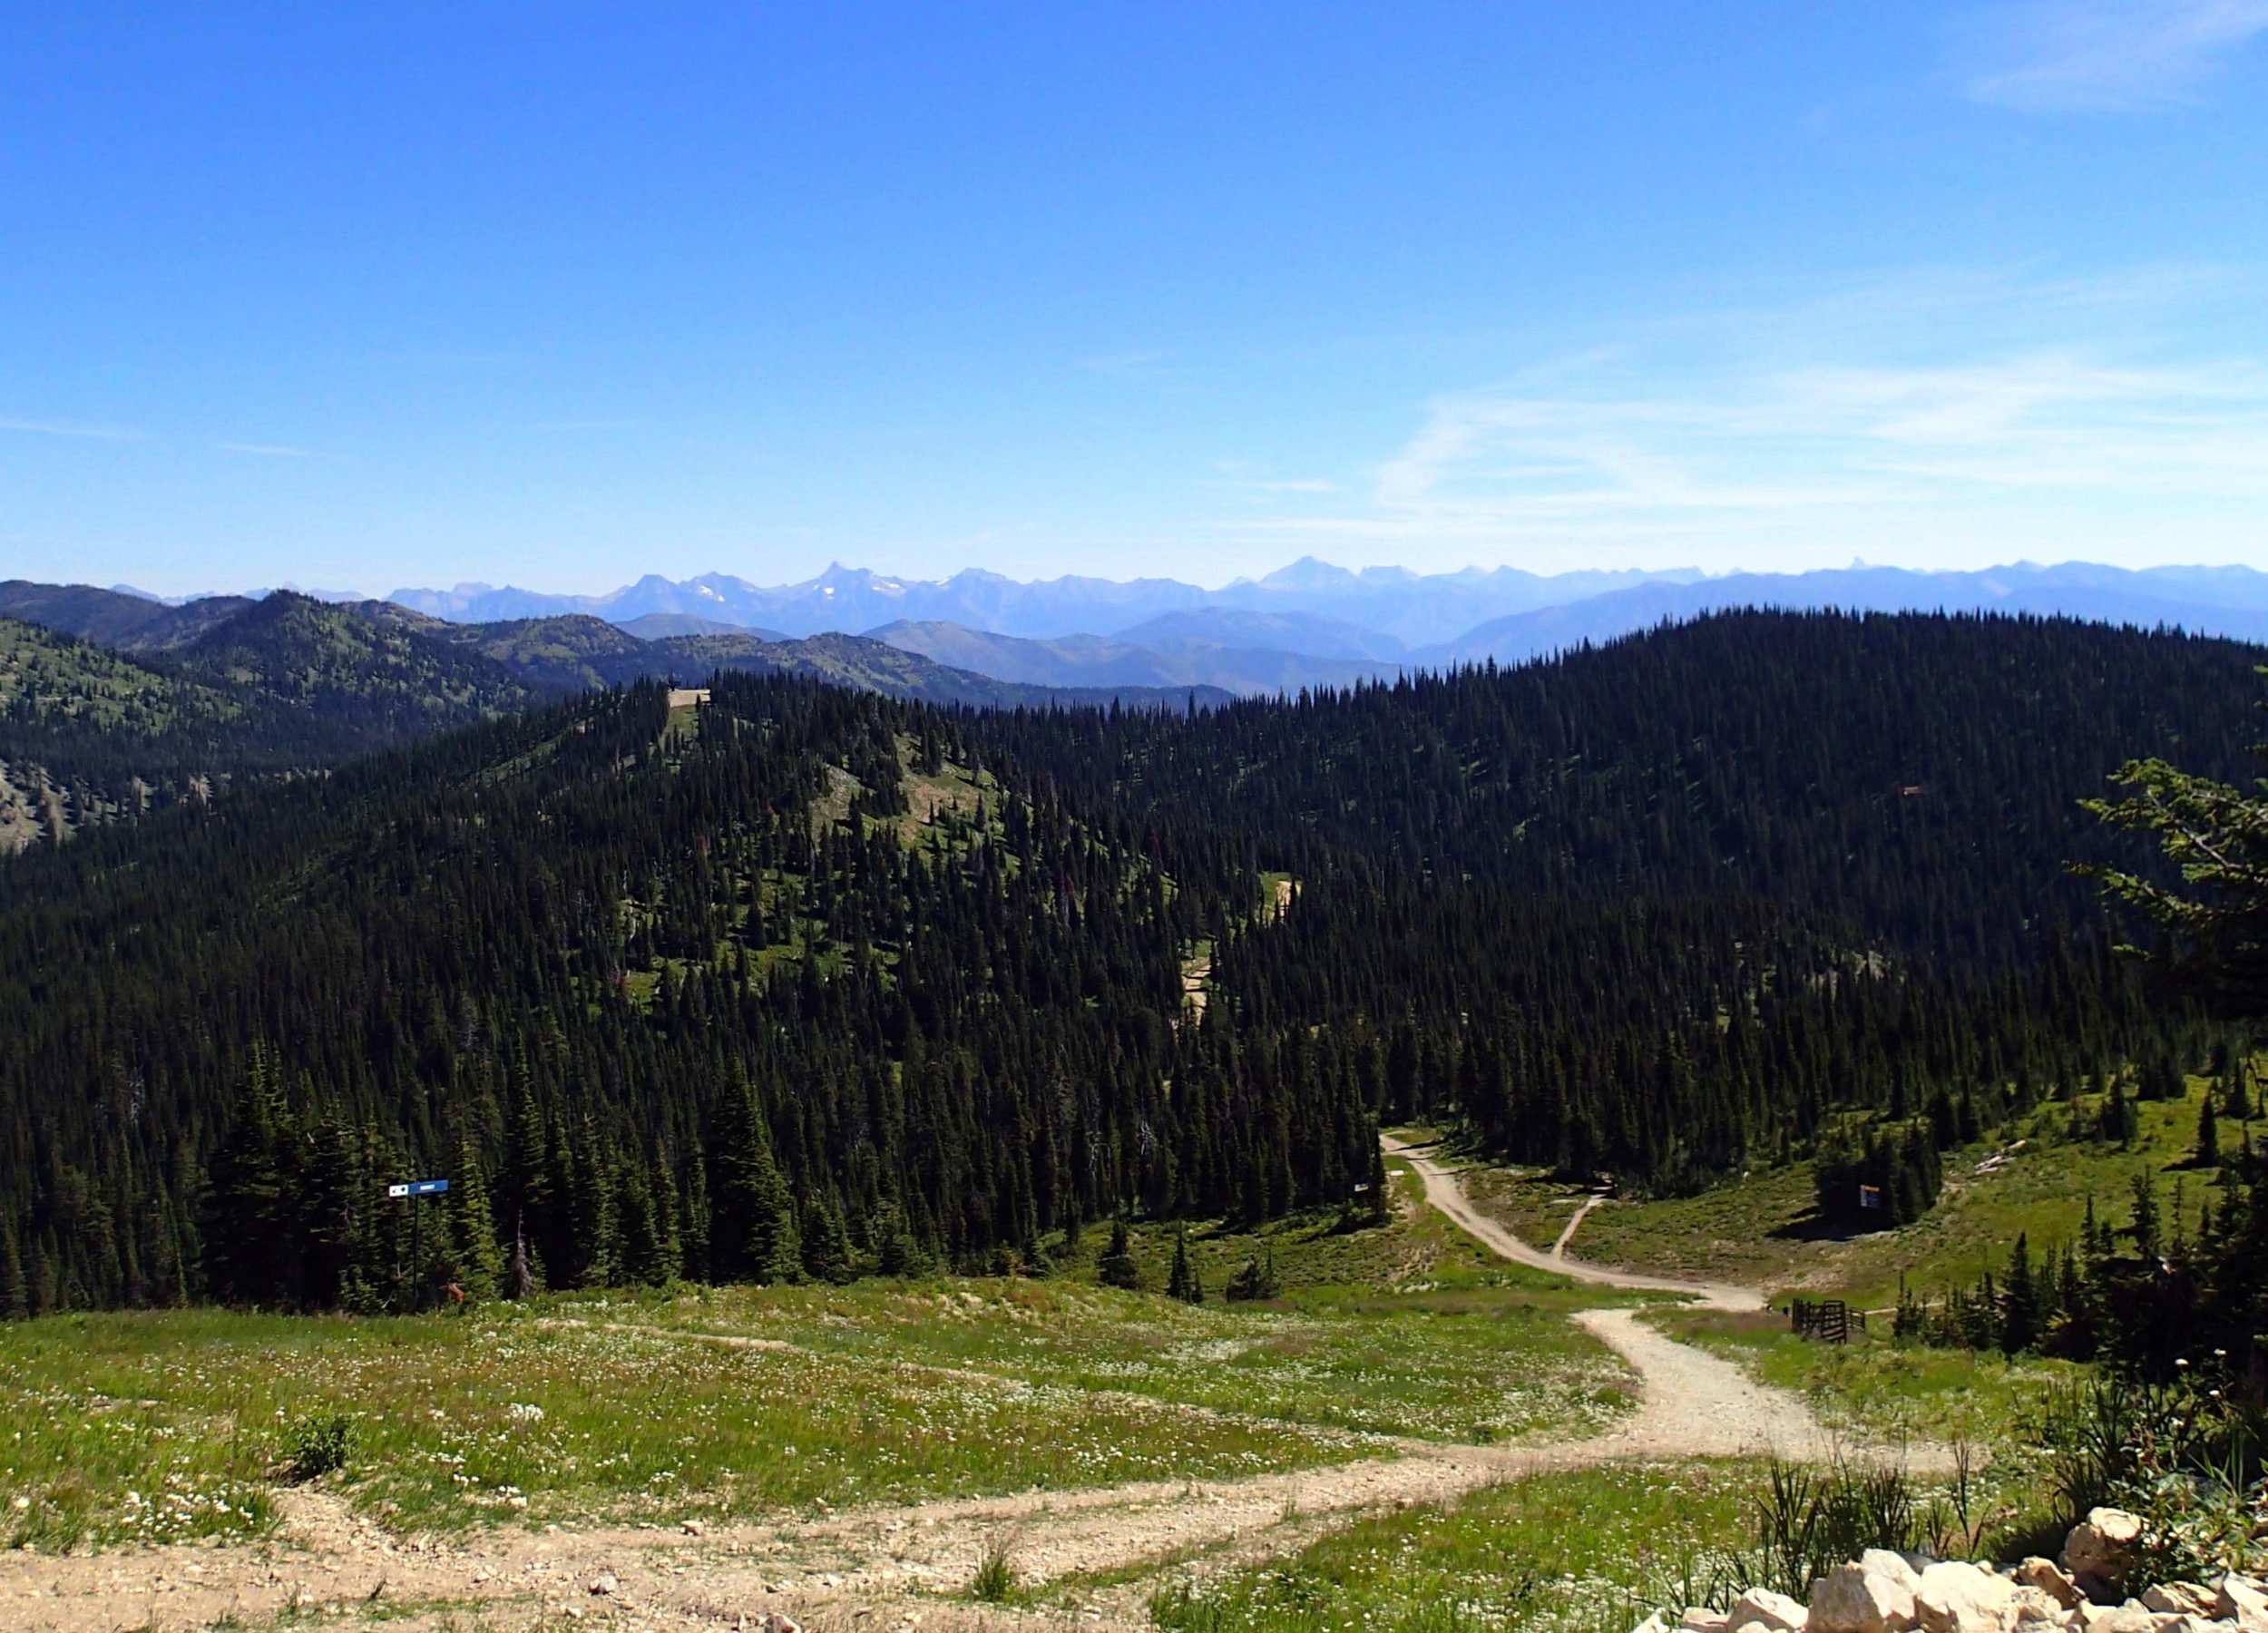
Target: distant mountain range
[111, 699]
[1163, 660]
[1388, 600]
[1312, 624]
[2230, 601]
[111, 702]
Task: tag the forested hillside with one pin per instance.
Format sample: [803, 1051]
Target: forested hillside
[1670, 907]
[808, 982]
[738, 993]
[91, 732]
[111, 704]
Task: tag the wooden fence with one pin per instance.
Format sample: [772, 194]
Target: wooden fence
[1825, 1318]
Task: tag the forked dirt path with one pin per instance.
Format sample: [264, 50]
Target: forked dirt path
[1694, 1404]
[1574, 1224]
[1444, 1192]
[885, 1567]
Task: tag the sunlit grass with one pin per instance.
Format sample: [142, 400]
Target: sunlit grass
[1409, 1329]
[1591, 1549]
[1437, 1366]
[1879, 1391]
[504, 1414]
[1758, 1229]
[729, 1402]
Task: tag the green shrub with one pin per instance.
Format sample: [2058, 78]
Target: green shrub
[317, 1444]
[1118, 1269]
[1257, 1280]
[995, 1582]
[2184, 1457]
[1810, 1520]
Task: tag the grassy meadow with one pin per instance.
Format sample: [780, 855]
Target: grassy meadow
[729, 1402]
[1881, 1392]
[725, 1403]
[1593, 1549]
[1760, 1230]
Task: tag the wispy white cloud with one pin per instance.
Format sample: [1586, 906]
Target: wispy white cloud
[2101, 56]
[1830, 434]
[71, 428]
[266, 450]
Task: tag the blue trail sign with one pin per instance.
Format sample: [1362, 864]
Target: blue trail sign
[409, 1191]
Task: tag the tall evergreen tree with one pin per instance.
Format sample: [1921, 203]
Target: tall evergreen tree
[475, 1254]
[15, 1300]
[1184, 1283]
[1116, 1267]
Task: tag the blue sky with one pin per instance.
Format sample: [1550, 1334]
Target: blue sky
[366, 297]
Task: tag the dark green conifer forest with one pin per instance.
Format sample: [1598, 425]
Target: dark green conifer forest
[810, 982]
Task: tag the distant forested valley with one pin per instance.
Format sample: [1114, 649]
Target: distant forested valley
[808, 981]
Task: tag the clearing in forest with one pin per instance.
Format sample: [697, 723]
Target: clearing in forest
[678, 1457]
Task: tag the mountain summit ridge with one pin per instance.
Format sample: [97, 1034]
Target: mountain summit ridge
[1386, 617]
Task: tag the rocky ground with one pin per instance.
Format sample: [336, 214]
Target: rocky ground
[1884, 1592]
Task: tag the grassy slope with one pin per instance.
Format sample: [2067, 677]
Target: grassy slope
[1756, 1231]
[57, 692]
[1407, 1330]
[1881, 1392]
[157, 1426]
[1580, 1550]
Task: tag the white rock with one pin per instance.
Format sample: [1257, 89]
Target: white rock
[604, 1585]
[1956, 1598]
[2179, 1598]
[2241, 1601]
[1772, 1612]
[2128, 1617]
[1866, 1597]
[1896, 1566]
[2036, 1607]
[1700, 1618]
[1652, 1624]
[2102, 1545]
[2049, 1578]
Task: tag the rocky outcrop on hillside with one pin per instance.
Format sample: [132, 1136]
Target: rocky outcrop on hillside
[2085, 1591]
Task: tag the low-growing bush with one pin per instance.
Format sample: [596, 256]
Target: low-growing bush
[2185, 1457]
[316, 1444]
[995, 1582]
[1257, 1280]
[1808, 1519]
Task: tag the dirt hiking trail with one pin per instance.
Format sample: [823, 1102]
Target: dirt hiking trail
[885, 1568]
[1445, 1193]
[1694, 1404]
[1574, 1224]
